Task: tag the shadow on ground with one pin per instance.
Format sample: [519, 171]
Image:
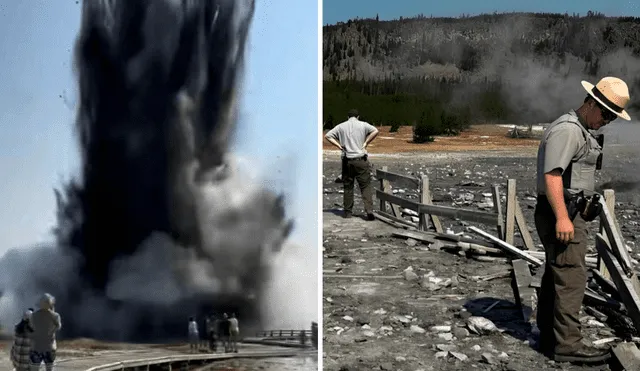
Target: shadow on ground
[505, 314]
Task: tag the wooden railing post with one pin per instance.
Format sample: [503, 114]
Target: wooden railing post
[384, 187]
[426, 199]
[497, 206]
[511, 212]
[610, 201]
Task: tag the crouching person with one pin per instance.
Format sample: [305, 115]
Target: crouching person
[22, 343]
[46, 323]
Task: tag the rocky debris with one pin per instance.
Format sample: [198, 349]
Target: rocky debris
[481, 325]
[402, 312]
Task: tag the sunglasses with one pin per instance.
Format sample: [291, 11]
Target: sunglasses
[606, 114]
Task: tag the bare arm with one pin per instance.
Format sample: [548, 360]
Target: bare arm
[555, 193]
[58, 323]
[334, 142]
[370, 137]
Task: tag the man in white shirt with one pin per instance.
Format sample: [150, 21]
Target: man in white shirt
[352, 137]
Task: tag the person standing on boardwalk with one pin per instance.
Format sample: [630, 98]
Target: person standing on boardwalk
[22, 343]
[223, 330]
[234, 333]
[194, 336]
[568, 157]
[45, 323]
[211, 332]
[352, 137]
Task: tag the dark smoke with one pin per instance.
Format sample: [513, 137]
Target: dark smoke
[160, 225]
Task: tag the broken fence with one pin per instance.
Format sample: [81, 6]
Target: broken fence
[616, 283]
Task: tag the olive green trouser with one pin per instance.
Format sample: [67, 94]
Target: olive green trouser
[352, 170]
[563, 283]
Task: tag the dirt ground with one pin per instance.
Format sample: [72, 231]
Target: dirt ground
[383, 321]
[479, 137]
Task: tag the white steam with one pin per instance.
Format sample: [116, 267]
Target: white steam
[237, 228]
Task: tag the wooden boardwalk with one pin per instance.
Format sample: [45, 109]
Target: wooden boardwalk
[116, 359]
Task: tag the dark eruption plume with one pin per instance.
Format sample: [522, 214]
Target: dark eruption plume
[160, 226]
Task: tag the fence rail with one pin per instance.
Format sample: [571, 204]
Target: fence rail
[283, 333]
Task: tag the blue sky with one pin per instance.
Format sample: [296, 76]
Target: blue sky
[334, 11]
[37, 148]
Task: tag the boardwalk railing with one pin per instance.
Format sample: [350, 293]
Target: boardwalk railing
[289, 334]
[424, 209]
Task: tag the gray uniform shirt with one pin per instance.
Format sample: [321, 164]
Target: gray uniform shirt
[565, 142]
[45, 325]
[351, 135]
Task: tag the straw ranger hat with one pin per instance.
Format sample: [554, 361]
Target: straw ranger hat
[612, 93]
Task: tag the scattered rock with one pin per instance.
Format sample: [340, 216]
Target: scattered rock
[481, 325]
[410, 275]
[417, 329]
[440, 328]
[446, 347]
[488, 358]
[460, 333]
[460, 356]
[446, 336]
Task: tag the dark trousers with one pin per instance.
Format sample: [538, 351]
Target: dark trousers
[360, 170]
[563, 283]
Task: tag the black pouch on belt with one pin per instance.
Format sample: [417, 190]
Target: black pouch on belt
[572, 201]
[591, 208]
[600, 140]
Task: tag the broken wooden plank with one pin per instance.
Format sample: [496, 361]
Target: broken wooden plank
[466, 246]
[403, 223]
[358, 276]
[606, 284]
[489, 277]
[615, 242]
[407, 181]
[511, 212]
[627, 355]
[596, 313]
[425, 198]
[610, 201]
[524, 294]
[508, 247]
[591, 261]
[386, 188]
[416, 235]
[445, 211]
[497, 206]
[628, 287]
[593, 297]
[521, 222]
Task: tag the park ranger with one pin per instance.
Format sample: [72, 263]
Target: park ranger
[568, 157]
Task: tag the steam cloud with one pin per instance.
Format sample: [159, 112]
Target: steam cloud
[163, 224]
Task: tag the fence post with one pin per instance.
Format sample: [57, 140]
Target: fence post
[497, 206]
[511, 211]
[610, 201]
[425, 198]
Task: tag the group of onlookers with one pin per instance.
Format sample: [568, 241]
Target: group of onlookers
[225, 331]
[35, 337]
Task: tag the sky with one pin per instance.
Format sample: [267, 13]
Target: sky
[37, 144]
[334, 11]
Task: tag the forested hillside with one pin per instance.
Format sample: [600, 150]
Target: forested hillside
[519, 68]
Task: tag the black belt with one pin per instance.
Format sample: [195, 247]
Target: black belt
[356, 158]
